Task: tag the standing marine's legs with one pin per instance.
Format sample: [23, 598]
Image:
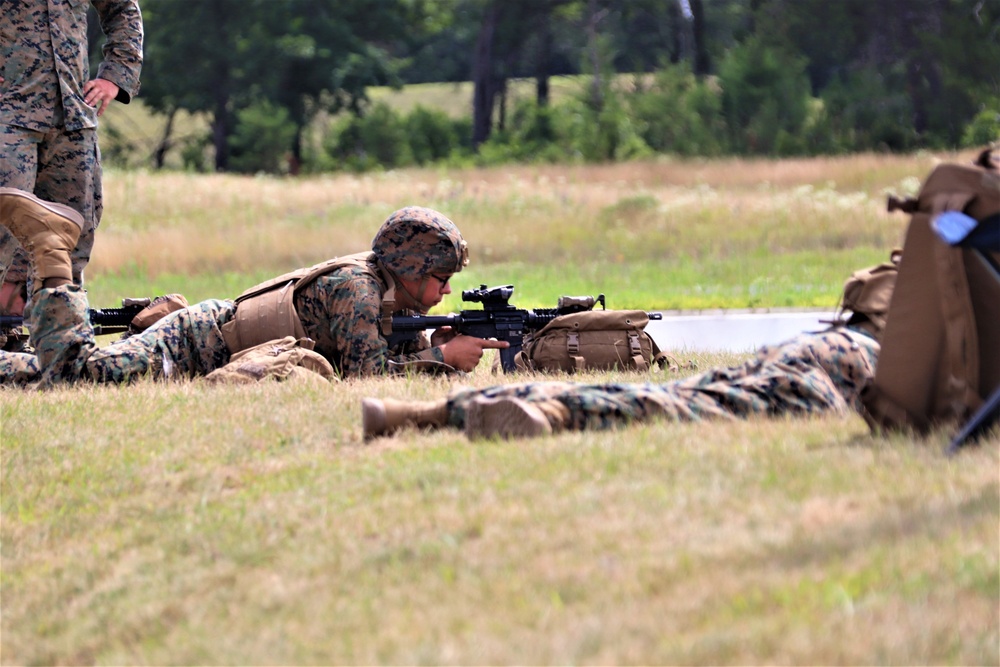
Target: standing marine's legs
[55, 166]
[69, 172]
[186, 343]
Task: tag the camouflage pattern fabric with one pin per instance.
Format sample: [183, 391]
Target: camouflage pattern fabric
[48, 140]
[341, 311]
[811, 373]
[63, 167]
[44, 60]
[415, 241]
[185, 344]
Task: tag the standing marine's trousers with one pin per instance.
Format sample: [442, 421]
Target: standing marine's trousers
[811, 373]
[63, 167]
[185, 344]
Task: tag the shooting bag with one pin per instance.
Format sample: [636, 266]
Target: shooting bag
[592, 340]
[940, 353]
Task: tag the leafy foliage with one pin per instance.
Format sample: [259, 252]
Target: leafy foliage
[744, 77]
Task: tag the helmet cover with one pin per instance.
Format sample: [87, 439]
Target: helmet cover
[414, 242]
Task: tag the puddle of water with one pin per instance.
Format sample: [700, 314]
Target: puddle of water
[736, 331]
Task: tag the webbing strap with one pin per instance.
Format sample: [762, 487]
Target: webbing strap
[388, 299]
[573, 348]
[635, 348]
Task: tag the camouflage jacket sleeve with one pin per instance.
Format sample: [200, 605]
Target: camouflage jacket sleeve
[341, 312]
[121, 22]
[44, 60]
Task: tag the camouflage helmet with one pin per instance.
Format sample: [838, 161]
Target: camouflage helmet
[414, 242]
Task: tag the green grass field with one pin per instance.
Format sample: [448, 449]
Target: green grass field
[182, 523]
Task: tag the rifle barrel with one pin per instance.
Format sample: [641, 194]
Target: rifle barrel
[104, 320]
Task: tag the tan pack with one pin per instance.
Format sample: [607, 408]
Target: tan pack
[940, 355]
[867, 295]
[592, 340]
[282, 360]
[157, 309]
[267, 312]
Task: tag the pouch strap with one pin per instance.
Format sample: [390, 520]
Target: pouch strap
[635, 349]
[573, 348]
[388, 299]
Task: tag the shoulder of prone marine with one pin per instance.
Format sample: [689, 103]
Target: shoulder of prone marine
[302, 277]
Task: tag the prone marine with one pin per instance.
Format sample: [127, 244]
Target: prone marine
[331, 313]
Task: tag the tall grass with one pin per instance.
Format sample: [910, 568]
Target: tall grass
[675, 231]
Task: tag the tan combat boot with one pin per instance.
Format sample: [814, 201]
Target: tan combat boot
[385, 416]
[46, 230]
[507, 417]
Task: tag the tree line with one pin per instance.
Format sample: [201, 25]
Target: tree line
[685, 77]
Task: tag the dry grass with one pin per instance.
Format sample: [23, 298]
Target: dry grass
[185, 524]
[652, 210]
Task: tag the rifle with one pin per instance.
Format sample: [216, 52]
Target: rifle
[497, 319]
[104, 320]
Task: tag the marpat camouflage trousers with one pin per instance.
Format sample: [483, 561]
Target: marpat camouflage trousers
[185, 344]
[58, 166]
[811, 373]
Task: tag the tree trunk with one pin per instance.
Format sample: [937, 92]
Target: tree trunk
[221, 122]
[295, 161]
[165, 143]
[220, 130]
[923, 80]
[702, 64]
[484, 86]
[594, 17]
[543, 64]
[676, 46]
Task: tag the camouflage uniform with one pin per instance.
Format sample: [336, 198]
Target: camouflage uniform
[811, 373]
[340, 311]
[48, 134]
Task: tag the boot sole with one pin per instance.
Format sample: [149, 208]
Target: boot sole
[59, 209]
[373, 418]
[505, 418]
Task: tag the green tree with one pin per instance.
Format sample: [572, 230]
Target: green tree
[220, 56]
[765, 95]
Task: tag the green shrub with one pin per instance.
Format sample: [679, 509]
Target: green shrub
[600, 135]
[679, 114]
[432, 135]
[764, 91]
[984, 129]
[195, 152]
[530, 136]
[377, 139]
[262, 139]
[863, 112]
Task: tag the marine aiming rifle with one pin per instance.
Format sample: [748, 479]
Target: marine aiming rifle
[104, 320]
[497, 319]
